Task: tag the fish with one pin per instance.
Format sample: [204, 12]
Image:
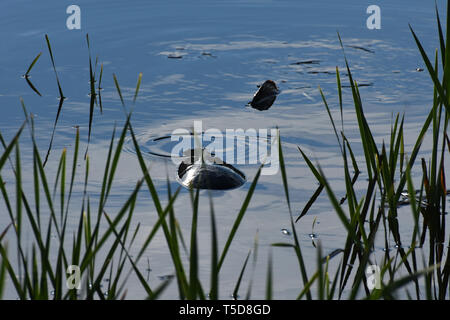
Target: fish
[265, 96]
[208, 173]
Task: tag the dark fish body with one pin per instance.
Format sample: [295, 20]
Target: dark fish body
[214, 174]
[265, 96]
[211, 176]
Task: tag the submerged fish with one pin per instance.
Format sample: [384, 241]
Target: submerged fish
[265, 96]
[208, 173]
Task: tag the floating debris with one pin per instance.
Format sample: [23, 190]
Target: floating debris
[406, 200]
[286, 232]
[270, 61]
[265, 96]
[208, 54]
[148, 266]
[368, 84]
[306, 62]
[365, 84]
[174, 56]
[208, 172]
[319, 71]
[165, 277]
[361, 48]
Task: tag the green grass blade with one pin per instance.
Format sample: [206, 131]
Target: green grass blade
[18, 217]
[10, 146]
[33, 63]
[241, 274]
[214, 291]
[319, 175]
[61, 99]
[116, 82]
[431, 71]
[54, 67]
[159, 290]
[269, 278]
[306, 289]
[441, 35]
[255, 259]
[136, 270]
[339, 85]
[138, 85]
[239, 217]
[27, 76]
[12, 274]
[93, 95]
[31, 85]
[330, 116]
[99, 89]
[311, 201]
[193, 256]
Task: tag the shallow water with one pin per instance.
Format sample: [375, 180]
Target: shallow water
[203, 61]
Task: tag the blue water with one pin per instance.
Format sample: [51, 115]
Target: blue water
[224, 49]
